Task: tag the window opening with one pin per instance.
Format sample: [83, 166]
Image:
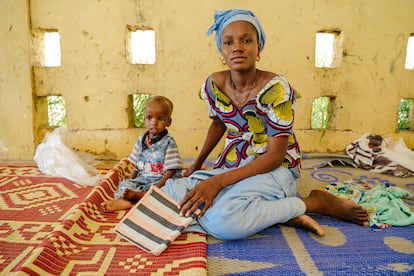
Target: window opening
[322, 112]
[406, 114]
[409, 59]
[138, 109]
[52, 49]
[328, 49]
[46, 48]
[140, 45]
[56, 111]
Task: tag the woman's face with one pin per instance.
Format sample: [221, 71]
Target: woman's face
[239, 45]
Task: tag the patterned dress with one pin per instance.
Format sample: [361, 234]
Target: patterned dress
[269, 114]
[262, 200]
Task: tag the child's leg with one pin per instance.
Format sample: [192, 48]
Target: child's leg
[125, 184]
[132, 195]
[116, 205]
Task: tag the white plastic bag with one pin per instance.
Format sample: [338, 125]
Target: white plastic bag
[398, 152]
[53, 157]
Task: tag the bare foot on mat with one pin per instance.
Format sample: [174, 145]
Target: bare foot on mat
[305, 221]
[325, 203]
[116, 205]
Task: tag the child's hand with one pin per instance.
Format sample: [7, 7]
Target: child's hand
[192, 168]
[160, 184]
[134, 173]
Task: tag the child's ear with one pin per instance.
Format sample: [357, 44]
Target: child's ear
[169, 122]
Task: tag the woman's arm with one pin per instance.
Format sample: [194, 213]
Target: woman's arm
[214, 134]
[207, 190]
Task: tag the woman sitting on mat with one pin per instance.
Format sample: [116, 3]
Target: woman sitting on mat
[254, 182]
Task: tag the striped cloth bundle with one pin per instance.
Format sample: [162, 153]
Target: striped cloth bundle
[154, 222]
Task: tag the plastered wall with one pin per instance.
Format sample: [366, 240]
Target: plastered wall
[96, 79]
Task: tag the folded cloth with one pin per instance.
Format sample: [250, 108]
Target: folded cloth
[384, 203]
[154, 222]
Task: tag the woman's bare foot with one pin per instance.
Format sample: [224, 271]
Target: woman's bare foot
[132, 195]
[325, 203]
[116, 205]
[305, 221]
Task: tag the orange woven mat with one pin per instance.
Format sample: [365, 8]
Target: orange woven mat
[52, 226]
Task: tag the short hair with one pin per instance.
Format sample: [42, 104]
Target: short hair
[168, 105]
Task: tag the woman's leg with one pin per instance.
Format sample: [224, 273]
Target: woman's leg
[253, 204]
[261, 201]
[325, 203]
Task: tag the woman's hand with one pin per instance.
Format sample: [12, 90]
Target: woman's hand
[203, 194]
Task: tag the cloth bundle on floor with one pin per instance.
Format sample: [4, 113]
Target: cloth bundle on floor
[373, 153]
[384, 203]
[154, 222]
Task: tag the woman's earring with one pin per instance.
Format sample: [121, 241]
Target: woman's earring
[223, 61]
[258, 58]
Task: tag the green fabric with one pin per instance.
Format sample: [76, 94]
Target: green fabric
[384, 203]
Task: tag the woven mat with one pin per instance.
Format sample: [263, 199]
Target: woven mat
[52, 226]
[347, 249]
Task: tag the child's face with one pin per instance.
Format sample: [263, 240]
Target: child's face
[156, 118]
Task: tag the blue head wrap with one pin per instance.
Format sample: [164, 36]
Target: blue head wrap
[223, 18]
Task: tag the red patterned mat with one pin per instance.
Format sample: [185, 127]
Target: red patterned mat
[50, 225]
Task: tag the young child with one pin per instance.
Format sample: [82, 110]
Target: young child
[155, 156]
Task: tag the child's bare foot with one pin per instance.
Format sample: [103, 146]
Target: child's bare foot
[305, 221]
[132, 195]
[325, 203]
[116, 205]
